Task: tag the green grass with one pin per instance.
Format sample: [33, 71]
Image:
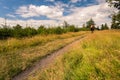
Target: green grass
[18, 54]
[97, 57]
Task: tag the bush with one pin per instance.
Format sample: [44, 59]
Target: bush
[19, 32]
[5, 33]
[29, 32]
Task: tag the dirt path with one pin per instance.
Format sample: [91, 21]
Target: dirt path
[44, 62]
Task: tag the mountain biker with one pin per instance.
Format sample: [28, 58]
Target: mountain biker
[92, 27]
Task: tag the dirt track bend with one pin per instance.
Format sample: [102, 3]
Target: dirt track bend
[45, 61]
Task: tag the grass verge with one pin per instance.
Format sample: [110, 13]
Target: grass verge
[97, 57]
[18, 54]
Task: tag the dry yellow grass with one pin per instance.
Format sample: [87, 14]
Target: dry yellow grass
[18, 54]
[97, 57]
[13, 43]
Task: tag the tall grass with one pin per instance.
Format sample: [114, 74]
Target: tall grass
[97, 57]
[13, 43]
[18, 54]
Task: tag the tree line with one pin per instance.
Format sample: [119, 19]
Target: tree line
[19, 32]
[92, 22]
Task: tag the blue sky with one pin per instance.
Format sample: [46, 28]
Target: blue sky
[53, 12]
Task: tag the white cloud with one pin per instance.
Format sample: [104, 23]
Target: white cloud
[10, 15]
[101, 1]
[31, 22]
[33, 11]
[61, 5]
[74, 1]
[2, 21]
[80, 15]
[50, 0]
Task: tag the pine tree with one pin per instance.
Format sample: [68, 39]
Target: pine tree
[104, 26]
[65, 24]
[115, 16]
[89, 23]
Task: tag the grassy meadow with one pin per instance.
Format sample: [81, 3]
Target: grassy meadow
[18, 54]
[96, 57]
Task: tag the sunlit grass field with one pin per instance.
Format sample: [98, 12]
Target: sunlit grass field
[13, 43]
[18, 54]
[96, 57]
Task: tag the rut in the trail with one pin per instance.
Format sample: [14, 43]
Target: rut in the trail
[44, 62]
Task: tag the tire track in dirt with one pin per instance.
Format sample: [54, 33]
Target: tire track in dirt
[45, 61]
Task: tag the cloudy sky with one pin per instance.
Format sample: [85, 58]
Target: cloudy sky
[53, 12]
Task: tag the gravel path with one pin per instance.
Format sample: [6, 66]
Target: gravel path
[45, 61]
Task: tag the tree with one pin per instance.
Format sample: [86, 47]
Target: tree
[58, 30]
[83, 26]
[98, 28]
[89, 23]
[42, 30]
[115, 16]
[71, 28]
[114, 3]
[5, 32]
[17, 31]
[65, 24]
[116, 21]
[28, 31]
[104, 26]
